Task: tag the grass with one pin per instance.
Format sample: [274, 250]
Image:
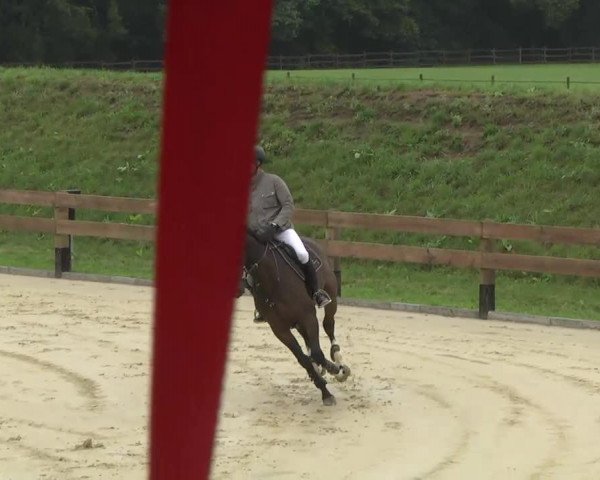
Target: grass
[510, 155]
[582, 76]
[90, 255]
[538, 295]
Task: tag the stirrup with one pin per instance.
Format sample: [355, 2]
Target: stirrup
[322, 298]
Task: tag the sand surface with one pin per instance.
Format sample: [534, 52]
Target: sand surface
[430, 397]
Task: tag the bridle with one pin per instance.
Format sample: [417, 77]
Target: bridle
[255, 265]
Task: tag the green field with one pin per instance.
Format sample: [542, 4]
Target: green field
[519, 156]
[582, 76]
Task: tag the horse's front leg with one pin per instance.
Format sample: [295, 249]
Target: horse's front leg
[321, 371]
[288, 339]
[340, 372]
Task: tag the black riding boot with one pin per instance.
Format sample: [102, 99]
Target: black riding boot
[321, 297]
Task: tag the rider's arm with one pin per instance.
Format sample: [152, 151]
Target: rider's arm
[284, 218]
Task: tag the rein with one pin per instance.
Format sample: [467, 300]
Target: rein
[256, 264]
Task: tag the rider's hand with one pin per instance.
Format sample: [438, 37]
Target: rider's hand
[272, 230]
[269, 232]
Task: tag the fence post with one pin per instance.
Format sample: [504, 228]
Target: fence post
[568, 83]
[520, 55]
[62, 256]
[63, 244]
[364, 59]
[391, 58]
[334, 234]
[71, 216]
[280, 62]
[545, 57]
[593, 54]
[487, 281]
[493, 79]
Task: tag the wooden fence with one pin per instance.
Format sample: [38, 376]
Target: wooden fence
[487, 259]
[418, 58]
[431, 58]
[64, 225]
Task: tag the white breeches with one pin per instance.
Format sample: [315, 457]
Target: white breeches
[291, 238]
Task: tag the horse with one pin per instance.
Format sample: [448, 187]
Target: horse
[281, 297]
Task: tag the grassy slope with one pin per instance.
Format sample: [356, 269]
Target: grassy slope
[93, 131]
[517, 156]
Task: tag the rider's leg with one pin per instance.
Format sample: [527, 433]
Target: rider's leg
[291, 238]
[320, 296]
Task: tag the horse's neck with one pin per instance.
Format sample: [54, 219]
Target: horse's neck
[255, 252]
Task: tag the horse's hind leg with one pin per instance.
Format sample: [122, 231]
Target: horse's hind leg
[288, 339]
[310, 333]
[329, 327]
[335, 352]
[331, 286]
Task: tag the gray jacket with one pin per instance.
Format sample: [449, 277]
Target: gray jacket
[270, 202]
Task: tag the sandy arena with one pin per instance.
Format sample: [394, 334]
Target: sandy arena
[430, 397]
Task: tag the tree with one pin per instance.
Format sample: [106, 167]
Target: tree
[289, 17]
[70, 30]
[555, 12]
[342, 25]
[45, 30]
[144, 20]
[377, 24]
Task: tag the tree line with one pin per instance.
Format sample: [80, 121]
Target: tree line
[54, 31]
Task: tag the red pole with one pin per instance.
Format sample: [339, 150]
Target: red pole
[215, 56]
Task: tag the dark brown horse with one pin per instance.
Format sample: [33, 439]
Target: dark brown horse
[282, 299]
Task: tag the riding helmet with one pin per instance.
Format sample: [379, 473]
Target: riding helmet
[261, 157]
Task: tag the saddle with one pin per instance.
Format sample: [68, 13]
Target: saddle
[288, 254]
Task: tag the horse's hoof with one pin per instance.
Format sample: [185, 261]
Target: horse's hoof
[329, 401]
[344, 374]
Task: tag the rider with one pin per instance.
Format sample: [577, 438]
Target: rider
[269, 217]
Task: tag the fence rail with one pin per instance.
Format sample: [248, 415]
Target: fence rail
[487, 258]
[420, 58]
[432, 58]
